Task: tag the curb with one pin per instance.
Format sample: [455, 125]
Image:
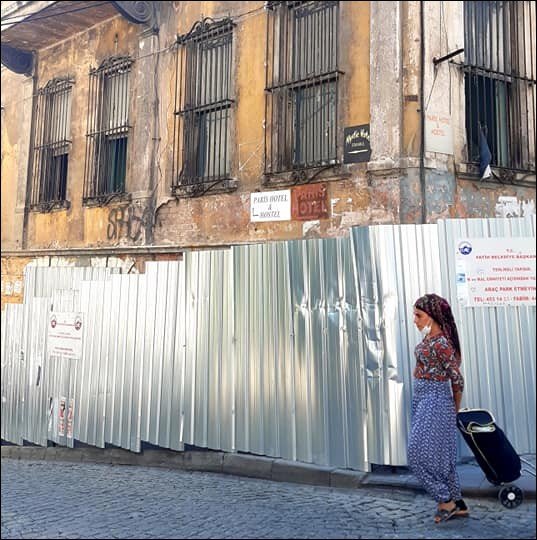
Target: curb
[248, 465]
[253, 466]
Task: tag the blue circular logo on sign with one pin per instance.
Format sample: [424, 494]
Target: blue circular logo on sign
[465, 248]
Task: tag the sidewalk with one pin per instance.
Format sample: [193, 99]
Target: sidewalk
[472, 478]
[473, 481]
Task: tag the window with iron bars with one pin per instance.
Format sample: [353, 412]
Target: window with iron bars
[500, 82]
[51, 145]
[107, 130]
[203, 109]
[302, 77]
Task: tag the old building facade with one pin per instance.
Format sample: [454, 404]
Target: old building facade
[132, 131]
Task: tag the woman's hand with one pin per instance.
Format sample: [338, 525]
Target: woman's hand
[457, 397]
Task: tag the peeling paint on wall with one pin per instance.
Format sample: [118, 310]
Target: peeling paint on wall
[13, 279]
[508, 207]
[310, 227]
[333, 203]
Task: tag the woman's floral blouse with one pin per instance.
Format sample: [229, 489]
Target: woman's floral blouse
[436, 360]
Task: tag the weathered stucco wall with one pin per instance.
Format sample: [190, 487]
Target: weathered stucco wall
[9, 157]
[380, 85]
[225, 218]
[451, 191]
[81, 226]
[212, 219]
[16, 116]
[13, 279]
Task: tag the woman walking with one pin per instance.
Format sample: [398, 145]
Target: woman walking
[438, 387]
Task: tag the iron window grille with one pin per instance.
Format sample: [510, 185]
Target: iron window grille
[302, 77]
[107, 130]
[499, 72]
[203, 109]
[51, 145]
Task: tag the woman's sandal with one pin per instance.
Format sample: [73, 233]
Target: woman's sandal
[444, 514]
[462, 509]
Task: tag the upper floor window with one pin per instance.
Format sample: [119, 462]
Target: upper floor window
[107, 130]
[51, 145]
[203, 108]
[500, 81]
[301, 85]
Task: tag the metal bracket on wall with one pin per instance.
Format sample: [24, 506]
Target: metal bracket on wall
[139, 12]
[437, 60]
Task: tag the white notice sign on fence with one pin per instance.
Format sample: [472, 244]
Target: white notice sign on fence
[496, 271]
[65, 335]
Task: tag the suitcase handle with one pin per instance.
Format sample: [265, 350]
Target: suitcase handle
[474, 427]
[478, 428]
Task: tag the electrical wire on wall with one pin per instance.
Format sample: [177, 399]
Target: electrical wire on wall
[443, 26]
[442, 30]
[27, 18]
[53, 12]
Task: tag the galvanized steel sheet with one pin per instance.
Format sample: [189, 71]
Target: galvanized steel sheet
[300, 349]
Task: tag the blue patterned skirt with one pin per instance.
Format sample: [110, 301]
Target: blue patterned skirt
[432, 444]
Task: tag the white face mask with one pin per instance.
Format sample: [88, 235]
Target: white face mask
[425, 331]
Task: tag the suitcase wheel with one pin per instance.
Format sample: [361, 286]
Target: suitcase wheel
[511, 496]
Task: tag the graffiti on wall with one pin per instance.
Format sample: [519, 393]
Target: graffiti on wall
[128, 222]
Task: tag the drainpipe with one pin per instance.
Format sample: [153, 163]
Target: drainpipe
[422, 112]
[29, 179]
[155, 140]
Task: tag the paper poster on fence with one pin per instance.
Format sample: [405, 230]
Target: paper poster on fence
[65, 331]
[70, 413]
[61, 417]
[495, 271]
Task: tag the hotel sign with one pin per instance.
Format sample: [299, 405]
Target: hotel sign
[357, 144]
[308, 202]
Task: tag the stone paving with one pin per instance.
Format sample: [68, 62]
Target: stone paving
[43, 499]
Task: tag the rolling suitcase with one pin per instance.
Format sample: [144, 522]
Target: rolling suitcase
[493, 452]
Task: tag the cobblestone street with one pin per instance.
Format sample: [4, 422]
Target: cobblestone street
[67, 500]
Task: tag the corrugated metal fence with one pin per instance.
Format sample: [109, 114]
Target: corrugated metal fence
[299, 349]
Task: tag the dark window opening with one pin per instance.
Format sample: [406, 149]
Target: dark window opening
[301, 107]
[108, 130]
[315, 110]
[500, 81]
[490, 105]
[114, 165]
[203, 108]
[51, 145]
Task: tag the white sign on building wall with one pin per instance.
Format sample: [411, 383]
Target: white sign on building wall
[65, 332]
[438, 133]
[270, 206]
[496, 271]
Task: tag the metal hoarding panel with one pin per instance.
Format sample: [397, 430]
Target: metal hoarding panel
[35, 346]
[498, 343]
[139, 311]
[394, 268]
[12, 374]
[115, 368]
[160, 367]
[296, 378]
[299, 349]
